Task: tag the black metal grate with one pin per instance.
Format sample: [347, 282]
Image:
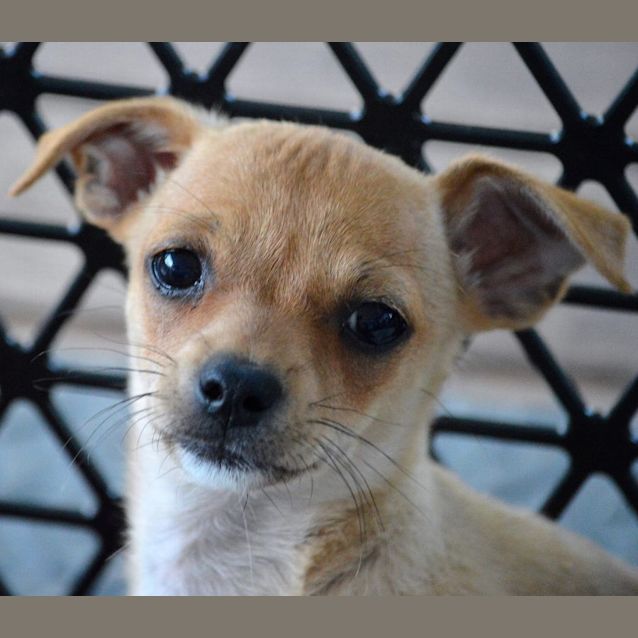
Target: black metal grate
[588, 147]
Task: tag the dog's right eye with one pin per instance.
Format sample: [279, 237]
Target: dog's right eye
[176, 270]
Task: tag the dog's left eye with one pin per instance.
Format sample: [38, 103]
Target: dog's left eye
[176, 270]
[376, 324]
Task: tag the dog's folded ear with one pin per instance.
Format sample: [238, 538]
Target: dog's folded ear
[515, 240]
[120, 151]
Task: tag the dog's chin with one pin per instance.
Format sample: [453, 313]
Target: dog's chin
[221, 469]
[219, 473]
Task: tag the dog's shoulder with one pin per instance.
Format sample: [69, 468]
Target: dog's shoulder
[495, 548]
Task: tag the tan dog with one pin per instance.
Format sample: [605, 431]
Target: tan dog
[299, 298]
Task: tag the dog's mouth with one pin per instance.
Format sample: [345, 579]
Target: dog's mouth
[219, 455]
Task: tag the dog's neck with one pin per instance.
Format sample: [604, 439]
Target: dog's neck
[304, 537]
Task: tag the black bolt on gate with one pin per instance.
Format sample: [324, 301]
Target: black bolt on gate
[588, 147]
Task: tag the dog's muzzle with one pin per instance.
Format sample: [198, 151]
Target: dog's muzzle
[235, 423]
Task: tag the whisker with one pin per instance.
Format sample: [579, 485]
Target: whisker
[73, 375]
[248, 544]
[117, 406]
[353, 410]
[326, 398]
[339, 427]
[395, 488]
[265, 493]
[372, 500]
[97, 349]
[199, 200]
[437, 400]
[332, 463]
[141, 346]
[197, 221]
[126, 418]
[82, 450]
[347, 432]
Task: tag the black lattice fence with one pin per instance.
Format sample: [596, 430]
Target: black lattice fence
[588, 147]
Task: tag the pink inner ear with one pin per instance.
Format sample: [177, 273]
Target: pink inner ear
[121, 163]
[518, 257]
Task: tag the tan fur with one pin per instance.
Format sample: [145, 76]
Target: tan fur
[295, 223]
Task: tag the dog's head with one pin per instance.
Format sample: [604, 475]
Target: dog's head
[301, 293]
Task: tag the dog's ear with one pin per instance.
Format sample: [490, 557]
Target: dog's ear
[120, 151]
[515, 240]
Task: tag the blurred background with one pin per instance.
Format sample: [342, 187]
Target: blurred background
[485, 84]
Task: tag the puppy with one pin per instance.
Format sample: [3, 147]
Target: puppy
[298, 299]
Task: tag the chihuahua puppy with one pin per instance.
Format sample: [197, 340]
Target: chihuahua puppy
[298, 299]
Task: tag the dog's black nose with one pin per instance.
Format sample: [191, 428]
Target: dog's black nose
[238, 391]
